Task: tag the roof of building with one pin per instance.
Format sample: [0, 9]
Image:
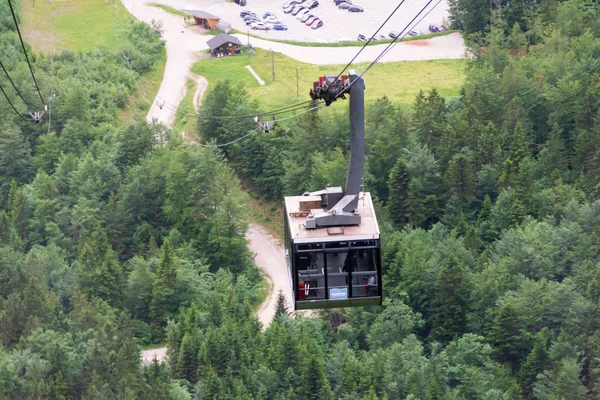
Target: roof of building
[221, 39]
[368, 228]
[201, 14]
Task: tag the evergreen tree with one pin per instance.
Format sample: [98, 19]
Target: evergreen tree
[281, 309]
[162, 305]
[398, 185]
[451, 302]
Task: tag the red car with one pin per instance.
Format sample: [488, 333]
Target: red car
[311, 20]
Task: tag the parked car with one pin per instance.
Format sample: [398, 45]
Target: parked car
[259, 26]
[297, 10]
[269, 14]
[289, 9]
[312, 19]
[289, 3]
[306, 17]
[240, 2]
[436, 28]
[393, 34]
[251, 20]
[246, 12]
[303, 13]
[337, 2]
[355, 8]
[381, 37]
[316, 24]
[271, 20]
[312, 4]
[362, 37]
[413, 32]
[344, 6]
[279, 27]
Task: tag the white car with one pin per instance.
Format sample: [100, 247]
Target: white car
[271, 20]
[259, 26]
[302, 13]
[297, 9]
[306, 17]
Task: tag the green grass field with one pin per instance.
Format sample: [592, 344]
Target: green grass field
[399, 81]
[73, 24]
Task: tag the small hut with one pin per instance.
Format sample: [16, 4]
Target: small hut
[224, 45]
[204, 19]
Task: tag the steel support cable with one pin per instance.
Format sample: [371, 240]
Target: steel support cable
[370, 39]
[13, 85]
[393, 43]
[284, 110]
[403, 33]
[11, 104]
[258, 128]
[25, 51]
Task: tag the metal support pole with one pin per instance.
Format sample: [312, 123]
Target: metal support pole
[297, 90]
[273, 63]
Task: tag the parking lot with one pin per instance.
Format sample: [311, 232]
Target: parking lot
[338, 25]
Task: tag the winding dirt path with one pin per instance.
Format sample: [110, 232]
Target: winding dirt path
[270, 259]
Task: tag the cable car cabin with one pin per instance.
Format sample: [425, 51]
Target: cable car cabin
[337, 266]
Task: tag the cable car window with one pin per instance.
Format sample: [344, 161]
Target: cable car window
[309, 246]
[311, 275]
[364, 243]
[336, 245]
[337, 275]
[365, 280]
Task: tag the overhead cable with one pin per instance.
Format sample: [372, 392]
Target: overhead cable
[13, 85]
[25, 51]
[400, 36]
[11, 104]
[370, 39]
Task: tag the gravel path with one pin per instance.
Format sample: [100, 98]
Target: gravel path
[149, 355]
[449, 46]
[269, 257]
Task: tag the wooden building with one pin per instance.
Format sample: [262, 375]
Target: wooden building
[204, 19]
[224, 45]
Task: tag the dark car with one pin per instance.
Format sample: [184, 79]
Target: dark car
[355, 8]
[279, 27]
[251, 20]
[412, 32]
[344, 6]
[362, 37]
[393, 35]
[436, 28]
[337, 2]
[246, 12]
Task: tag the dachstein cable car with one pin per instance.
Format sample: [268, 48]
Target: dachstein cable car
[332, 236]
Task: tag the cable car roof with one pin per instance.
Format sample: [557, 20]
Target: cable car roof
[368, 228]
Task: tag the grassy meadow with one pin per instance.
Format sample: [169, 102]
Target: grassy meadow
[79, 25]
[399, 81]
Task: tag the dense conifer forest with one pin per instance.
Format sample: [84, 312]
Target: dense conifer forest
[119, 234]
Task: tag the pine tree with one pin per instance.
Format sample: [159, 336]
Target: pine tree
[281, 309]
[536, 363]
[398, 184]
[187, 360]
[449, 311]
[163, 304]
